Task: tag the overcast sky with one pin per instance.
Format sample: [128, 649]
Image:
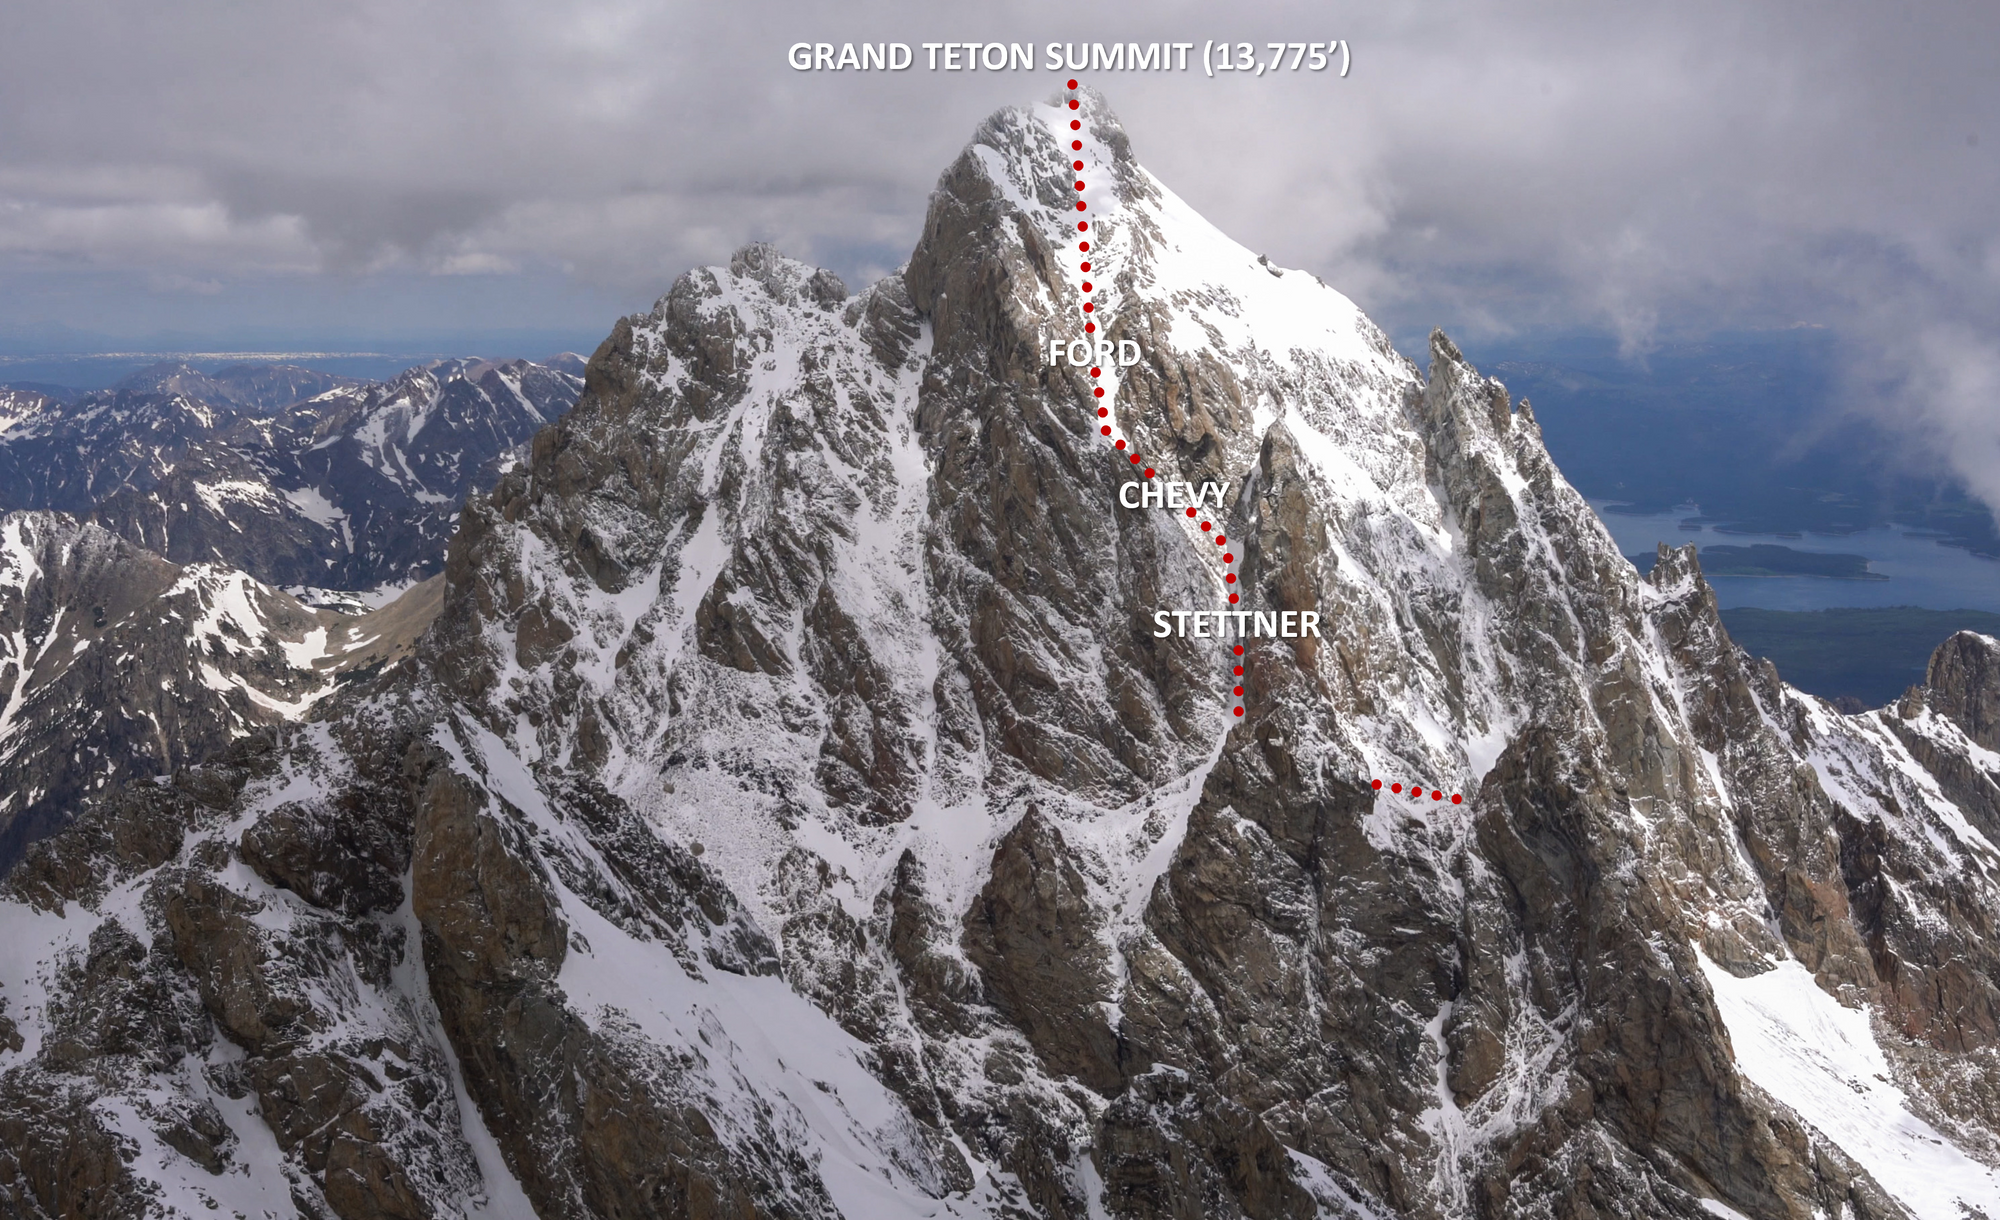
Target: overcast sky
[372, 167]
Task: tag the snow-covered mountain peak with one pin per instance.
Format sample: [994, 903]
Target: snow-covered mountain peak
[775, 475]
[822, 638]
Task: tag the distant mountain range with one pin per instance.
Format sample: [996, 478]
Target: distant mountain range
[140, 631]
[250, 387]
[299, 478]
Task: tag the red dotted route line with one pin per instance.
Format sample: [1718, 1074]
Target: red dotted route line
[1088, 267]
[1105, 411]
[1417, 792]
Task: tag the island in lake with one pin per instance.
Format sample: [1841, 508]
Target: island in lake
[1765, 559]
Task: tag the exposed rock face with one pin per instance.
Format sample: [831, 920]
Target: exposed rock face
[798, 815]
[301, 1036]
[585, 1122]
[1964, 683]
[1038, 942]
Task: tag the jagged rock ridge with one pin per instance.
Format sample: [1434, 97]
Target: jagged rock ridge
[791, 812]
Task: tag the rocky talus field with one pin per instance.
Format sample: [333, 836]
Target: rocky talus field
[791, 811]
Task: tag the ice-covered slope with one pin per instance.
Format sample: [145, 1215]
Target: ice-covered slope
[793, 809]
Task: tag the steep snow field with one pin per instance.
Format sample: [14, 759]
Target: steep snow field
[1798, 1044]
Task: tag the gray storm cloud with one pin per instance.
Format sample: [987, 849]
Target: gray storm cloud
[1650, 170]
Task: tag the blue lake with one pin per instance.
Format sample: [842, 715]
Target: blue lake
[1919, 571]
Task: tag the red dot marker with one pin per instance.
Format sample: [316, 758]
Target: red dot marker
[1219, 540]
[1103, 411]
[1239, 673]
[1073, 103]
[1190, 512]
[1075, 125]
[1086, 285]
[1076, 165]
[1079, 186]
[1456, 799]
[1228, 558]
[1081, 206]
[1119, 445]
[1135, 459]
[1229, 579]
[1083, 245]
[1378, 785]
[1239, 650]
[1089, 328]
[1081, 226]
[1239, 711]
[1395, 787]
[1106, 429]
[1072, 84]
[1096, 372]
[1232, 599]
[1076, 144]
[1099, 391]
[1149, 472]
[1205, 527]
[1088, 307]
[1436, 795]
